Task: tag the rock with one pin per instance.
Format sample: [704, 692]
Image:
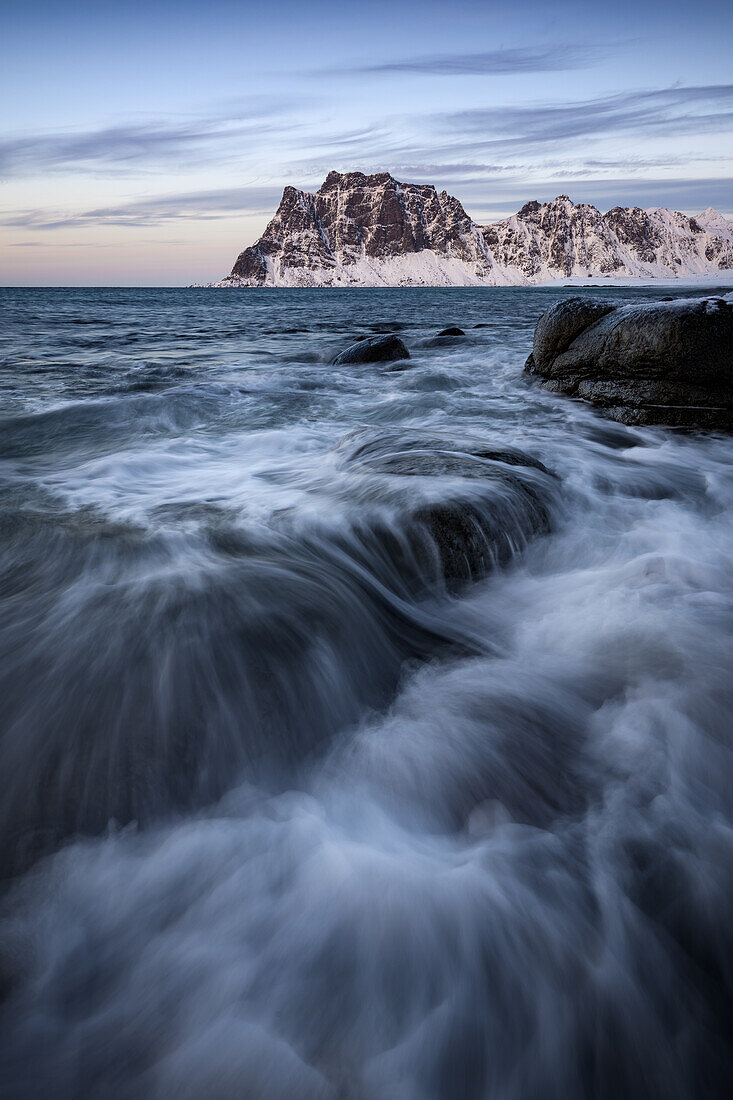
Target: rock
[556, 329]
[472, 537]
[494, 502]
[376, 349]
[401, 452]
[452, 331]
[656, 363]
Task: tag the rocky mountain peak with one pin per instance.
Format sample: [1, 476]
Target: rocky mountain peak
[712, 220]
[350, 180]
[529, 209]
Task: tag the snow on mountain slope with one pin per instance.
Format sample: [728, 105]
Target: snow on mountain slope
[715, 223]
[360, 230]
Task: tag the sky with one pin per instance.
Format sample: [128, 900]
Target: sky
[148, 143]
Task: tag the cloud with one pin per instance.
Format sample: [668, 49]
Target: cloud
[479, 143]
[134, 146]
[478, 153]
[444, 171]
[676, 110]
[485, 199]
[237, 132]
[200, 206]
[509, 62]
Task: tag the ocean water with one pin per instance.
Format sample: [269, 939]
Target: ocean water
[365, 730]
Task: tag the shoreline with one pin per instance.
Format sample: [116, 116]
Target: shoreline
[576, 281]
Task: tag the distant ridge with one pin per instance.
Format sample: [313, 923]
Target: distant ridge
[371, 230]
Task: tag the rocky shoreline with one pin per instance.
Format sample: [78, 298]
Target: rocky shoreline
[668, 362]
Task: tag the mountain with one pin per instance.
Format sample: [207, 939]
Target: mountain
[711, 220]
[360, 230]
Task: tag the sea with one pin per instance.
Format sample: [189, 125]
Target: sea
[365, 730]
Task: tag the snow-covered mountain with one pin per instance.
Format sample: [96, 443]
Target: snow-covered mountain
[360, 230]
[715, 223]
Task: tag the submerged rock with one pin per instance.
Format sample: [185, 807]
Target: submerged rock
[495, 502]
[472, 537]
[375, 349]
[658, 363]
[447, 337]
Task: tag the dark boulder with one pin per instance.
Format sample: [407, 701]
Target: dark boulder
[447, 337]
[657, 363]
[471, 537]
[375, 349]
[474, 510]
[558, 327]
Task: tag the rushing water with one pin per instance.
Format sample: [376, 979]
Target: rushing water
[298, 803]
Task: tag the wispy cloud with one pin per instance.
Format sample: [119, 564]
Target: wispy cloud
[508, 62]
[477, 153]
[480, 143]
[200, 206]
[137, 146]
[676, 110]
[456, 170]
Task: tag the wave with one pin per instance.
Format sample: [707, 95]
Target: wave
[512, 880]
[142, 674]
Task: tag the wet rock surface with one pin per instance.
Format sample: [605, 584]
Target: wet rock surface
[375, 349]
[501, 499]
[667, 362]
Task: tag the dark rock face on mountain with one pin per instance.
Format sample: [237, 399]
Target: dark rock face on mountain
[375, 349]
[371, 230]
[662, 363]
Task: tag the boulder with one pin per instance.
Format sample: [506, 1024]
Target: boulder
[558, 327]
[473, 536]
[474, 510]
[654, 363]
[375, 349]
[447, 337]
